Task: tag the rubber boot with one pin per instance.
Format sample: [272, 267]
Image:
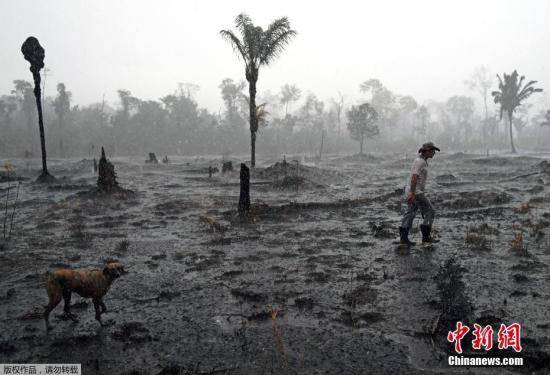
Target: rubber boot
[426, 236]
[404, 237]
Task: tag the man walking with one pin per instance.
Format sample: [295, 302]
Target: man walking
[415, 193]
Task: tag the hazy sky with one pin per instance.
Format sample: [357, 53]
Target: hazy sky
[421, 48]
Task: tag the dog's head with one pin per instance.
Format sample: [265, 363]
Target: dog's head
[114, 270]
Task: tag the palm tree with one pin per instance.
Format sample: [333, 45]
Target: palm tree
[34, 53]
[289, 93]
[362, 123]
[257, 47]
[510, 95]
[62, 107]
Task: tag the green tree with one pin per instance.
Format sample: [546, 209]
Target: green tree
[7, 107]
[362, 123]
[404, 112]
[236, 105]
[289, 94]
[338, 105]
[423, 117]
[24, 96]
[4, 124]
[461, 109]
[183, 120]
[150, 125]
[510, 95]
[382, 100]
[20, 88]
[127, 101]
[257, 47]
[262, 114]
[121, 120]
[62, 107]
[407, 104]
[312, 107]
[310, 116]
[481, 82]
[233, 130]
[231, 94]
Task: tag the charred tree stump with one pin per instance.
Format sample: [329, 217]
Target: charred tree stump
[34, 53]
[244, 200]
[209, 171]
[152, 159]
[227, 166]
[106, 180]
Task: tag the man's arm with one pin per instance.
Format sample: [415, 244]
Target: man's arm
[412, 190]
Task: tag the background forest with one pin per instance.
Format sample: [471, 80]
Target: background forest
[292, 121]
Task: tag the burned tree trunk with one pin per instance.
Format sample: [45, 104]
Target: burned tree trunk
[34, 53]
[106, 181]
[244, 200]
[152, 159]
[227, 166]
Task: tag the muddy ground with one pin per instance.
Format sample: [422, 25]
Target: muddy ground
[312, 283]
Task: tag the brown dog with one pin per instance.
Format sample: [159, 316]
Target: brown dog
[88, 284]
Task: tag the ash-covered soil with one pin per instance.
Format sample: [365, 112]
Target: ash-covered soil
[312, 283]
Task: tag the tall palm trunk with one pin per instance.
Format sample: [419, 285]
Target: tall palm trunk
[37, 95]
[253, 121]
[511, 137]
[252, 149]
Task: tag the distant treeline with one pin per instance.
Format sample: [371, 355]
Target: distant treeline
[290, 123]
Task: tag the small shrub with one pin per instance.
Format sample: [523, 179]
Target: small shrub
[524, 208]
[517, 243]
[273, 312]
[483, 229]
[477, 241]
[122, 247]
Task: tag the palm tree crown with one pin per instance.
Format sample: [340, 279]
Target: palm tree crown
[510, 95]
[257, 47]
